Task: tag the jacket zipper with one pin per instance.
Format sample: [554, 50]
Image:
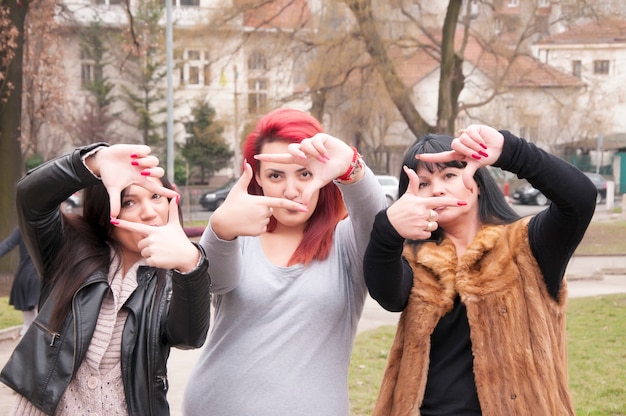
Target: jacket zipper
[53, 335]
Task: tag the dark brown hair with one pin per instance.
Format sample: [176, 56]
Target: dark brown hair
[86, 249]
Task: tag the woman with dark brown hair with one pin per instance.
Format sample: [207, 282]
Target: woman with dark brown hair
[121, 284]
[286, 264]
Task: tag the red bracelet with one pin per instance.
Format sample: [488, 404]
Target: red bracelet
[350, 172]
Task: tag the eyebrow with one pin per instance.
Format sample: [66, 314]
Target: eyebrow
[272, 170]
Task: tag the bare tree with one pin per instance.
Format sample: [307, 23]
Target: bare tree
[44, 101]
[12, 18]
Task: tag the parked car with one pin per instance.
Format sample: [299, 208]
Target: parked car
[528, 195]
[390, 186]
[600, 183]
[213, 199]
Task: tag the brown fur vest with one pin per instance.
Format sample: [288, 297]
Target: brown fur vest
[517, 329]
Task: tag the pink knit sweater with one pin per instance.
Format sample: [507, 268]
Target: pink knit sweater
[97, 388]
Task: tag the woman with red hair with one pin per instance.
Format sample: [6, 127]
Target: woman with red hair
[285, 256]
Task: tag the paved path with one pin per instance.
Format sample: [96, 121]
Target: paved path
[181, 362]
[587, 276]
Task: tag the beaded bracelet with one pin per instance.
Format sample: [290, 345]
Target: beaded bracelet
[352, 169]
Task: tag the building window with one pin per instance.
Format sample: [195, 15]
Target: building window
[601, 67]
[474, 9]
[107, 2]
[257, 61]
[196, 69]
[178, 3]
[577, 67]
[497, 26]
[513, 3]
[207, 74]
[86, 68]
[257, 95]
[194, 75]
[544, 3]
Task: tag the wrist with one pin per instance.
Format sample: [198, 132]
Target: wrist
[195, 260]
[356, 166]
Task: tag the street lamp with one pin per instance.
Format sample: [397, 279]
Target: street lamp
[170, 91]
[236, 122]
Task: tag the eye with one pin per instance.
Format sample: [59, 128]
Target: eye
[156, 196]
[274, 176]
[423, 185]
[127, 203]
[306, 174]
[450, 175]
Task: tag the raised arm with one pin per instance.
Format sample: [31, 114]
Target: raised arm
[555, 232]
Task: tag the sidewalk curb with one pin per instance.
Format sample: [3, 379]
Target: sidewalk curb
[10, 333]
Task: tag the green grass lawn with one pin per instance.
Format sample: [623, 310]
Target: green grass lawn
[604, 237]
[9, 316]
[597, 358]
[596, 341]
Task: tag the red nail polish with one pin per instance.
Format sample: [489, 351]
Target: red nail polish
[461, 203]
[134, 156]
[483, 154]
[177, 199]
[483, 145]
[114, 221]
[134, 163]
[145, 173]
[475, 156]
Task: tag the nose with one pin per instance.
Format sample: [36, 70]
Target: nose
[148, 211]
[437, 187]
[292, 189]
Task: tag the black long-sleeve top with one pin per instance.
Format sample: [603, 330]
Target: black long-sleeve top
[554, 234]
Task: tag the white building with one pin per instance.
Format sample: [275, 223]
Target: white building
[556, 89]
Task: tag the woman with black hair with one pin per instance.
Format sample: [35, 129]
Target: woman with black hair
[121, 284]
[482, 294]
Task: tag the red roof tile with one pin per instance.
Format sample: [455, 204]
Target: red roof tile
[591, 32]
[525, 71]
[277, 14]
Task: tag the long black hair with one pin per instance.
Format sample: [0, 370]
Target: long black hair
[86, 249]
[492, 206]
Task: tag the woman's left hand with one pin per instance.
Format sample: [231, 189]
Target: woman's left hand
[166, 246]
[477, 145]
[325, 156]
[122, 165]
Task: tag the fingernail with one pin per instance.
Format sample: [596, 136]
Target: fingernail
[177, 199]
[134, 156]
[304, 209]
[483, 145]
[461, 203]
[483, 154]
[114, 221]
[145, 173]
[134, 163]
[475, 156]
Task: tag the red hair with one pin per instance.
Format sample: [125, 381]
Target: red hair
[293, 126]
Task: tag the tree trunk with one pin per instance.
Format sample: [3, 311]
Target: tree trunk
[399, 93]
[11, 165]
[451, 80]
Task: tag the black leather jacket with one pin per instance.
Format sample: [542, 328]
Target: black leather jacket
[43, 363]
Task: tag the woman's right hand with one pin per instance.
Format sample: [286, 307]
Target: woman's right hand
[122, 165]
[243, 214]
[477, 145]
[415, 217]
